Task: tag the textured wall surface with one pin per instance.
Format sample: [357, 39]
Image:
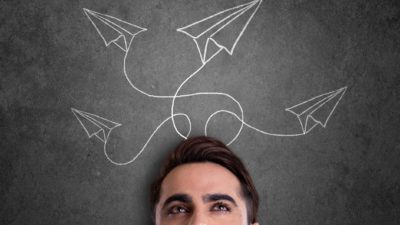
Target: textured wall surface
[52, 59]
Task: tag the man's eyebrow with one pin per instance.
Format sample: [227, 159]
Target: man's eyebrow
[178, 197]
[218, 197]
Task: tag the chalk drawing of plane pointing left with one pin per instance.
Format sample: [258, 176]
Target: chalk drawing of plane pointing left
[113, 30]
[95, 125]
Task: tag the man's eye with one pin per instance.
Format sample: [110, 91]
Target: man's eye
[177, 210]
[221, 207]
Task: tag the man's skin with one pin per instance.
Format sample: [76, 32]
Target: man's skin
[201, 194]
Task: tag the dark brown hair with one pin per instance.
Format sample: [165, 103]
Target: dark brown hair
[207, 149]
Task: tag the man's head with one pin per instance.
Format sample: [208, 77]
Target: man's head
[203, 182]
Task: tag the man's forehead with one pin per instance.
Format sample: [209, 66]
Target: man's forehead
[199, 179]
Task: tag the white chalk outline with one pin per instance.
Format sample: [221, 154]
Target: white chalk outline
[321, 101]
[101, 123]
[116, 25]
[240, 10]
[315, 107]
[106, 130]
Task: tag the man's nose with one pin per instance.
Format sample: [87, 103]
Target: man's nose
[199, 218]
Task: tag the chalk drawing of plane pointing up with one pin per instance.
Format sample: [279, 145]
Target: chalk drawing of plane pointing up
[95, 125]
[113, 30]
[317, 110]
[221, 30]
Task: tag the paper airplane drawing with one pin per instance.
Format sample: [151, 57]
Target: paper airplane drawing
[113, 30]
[95, 125]
[221, 30]
[317, 110]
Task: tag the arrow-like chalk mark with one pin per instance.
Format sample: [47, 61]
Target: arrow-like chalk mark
[221, 30]
[317, 110]
[95, 125]
[113, 30]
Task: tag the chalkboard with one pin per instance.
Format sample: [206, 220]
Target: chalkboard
[94, 94]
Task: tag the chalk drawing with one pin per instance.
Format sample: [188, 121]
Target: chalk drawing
[101, 128]
[213, 28]
[220, 31]
[113, 30]
[317, 110]
[95, 125]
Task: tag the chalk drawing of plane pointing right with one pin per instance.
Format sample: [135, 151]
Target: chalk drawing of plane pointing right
[317, 110]
[221, 30]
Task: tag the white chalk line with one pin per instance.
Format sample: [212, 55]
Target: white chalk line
[147, 142]
[175, 96]
[248, 125]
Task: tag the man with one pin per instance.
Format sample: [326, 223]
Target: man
[202, 182]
